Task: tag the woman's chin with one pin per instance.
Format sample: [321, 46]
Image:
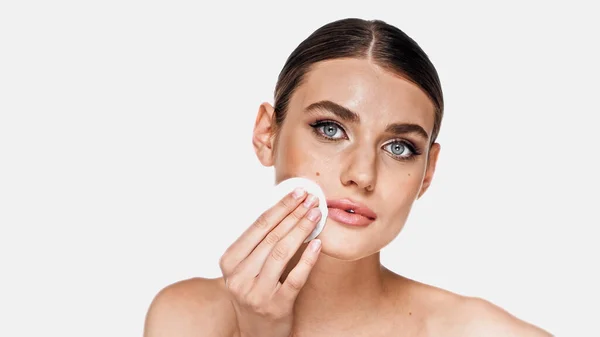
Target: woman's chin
[348, 244]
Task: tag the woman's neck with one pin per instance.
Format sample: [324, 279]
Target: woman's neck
[341, 291]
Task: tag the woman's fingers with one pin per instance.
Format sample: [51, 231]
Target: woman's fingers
[244, 245]
[283, 251]
[253, 264]
[297, 277]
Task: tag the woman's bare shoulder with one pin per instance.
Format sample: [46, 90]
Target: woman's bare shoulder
[193, 307]
[452, 314]
[473, 316]
[444, 313]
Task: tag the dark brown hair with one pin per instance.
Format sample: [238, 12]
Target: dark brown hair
[386, 45]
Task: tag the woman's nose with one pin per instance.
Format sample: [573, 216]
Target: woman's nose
[360, 171]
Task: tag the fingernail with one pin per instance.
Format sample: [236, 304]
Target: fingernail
[298, 193]
[309, 202]
[314, 214]
[314, 245]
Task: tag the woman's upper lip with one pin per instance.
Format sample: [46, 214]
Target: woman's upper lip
[347, 204]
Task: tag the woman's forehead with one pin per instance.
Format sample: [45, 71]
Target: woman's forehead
[364, 87]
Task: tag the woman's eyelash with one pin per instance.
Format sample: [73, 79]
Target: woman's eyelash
[414, 150]
[318, 125]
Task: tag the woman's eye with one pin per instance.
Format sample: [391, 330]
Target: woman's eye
[330, 130]
[399, 149]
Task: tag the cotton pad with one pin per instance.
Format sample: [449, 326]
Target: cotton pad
[288, 185]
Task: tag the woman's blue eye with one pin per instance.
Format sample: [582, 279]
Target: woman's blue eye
[330, 130]
[399, 149]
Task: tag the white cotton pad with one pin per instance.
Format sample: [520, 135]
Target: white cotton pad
[287, 186]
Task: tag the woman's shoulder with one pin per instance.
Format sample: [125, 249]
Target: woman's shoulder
[190, 306]
[451, 314]
[474, 316]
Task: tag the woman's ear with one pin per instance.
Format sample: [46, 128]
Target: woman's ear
[434, 152]
[262, 136]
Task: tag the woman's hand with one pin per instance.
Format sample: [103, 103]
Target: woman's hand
[254, 263]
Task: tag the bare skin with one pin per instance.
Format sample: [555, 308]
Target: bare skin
[343, 290]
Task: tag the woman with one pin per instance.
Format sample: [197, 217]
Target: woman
[358, 107]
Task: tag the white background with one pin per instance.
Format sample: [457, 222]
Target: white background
[126, 161]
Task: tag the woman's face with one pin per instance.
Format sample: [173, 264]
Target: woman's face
[362, 133]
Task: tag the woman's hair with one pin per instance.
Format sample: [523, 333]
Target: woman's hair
[384, 44]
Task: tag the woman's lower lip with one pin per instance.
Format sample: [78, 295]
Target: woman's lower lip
[346, 218]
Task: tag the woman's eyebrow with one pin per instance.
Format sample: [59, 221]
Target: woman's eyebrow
[336, 109]
[351, 116]
[404, 128]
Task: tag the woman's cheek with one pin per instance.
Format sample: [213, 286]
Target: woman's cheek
[307, 158]
[400, 185]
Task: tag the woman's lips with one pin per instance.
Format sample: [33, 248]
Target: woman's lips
[351, 213]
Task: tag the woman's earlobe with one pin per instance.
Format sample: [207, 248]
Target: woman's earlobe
[262, 139]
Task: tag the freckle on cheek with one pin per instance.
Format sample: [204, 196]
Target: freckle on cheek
[318, 174]
[409, 174]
